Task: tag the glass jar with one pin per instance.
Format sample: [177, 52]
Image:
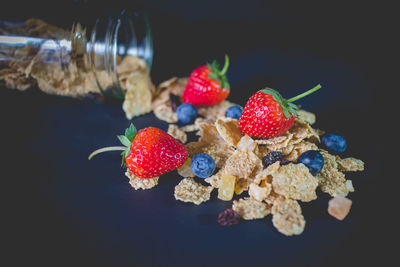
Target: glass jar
[87, 58]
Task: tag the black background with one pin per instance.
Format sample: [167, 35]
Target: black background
[60, 209]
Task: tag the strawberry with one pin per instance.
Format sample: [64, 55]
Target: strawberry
[267, 114]
[207, 85]
[149, 152]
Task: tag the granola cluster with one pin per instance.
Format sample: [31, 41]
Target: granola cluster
[276, 189]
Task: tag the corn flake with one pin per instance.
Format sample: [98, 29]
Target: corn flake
[185, 170]
[215, 112]
[306, 116]
[241, 164]
[350, 164]
[295, 181]
[299, 149]
[137, 97]
[260, 192]
[287, 216]
[246, 144]
[228, 129]
[139, 183]
[177, 133]
[330, 179]
[164, 112]
[250, 209]
[190, 191]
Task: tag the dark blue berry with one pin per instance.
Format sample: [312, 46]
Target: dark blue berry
[186, 113]
[335, 143]
[313, 160]
[234, 112]
[272, 157]
[202, 165]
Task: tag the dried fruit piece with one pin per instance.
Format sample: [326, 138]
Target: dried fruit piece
[185, 170]
[228, 217]
[190, 191]
[287, 216]
[272, 157]
[296, 182]
[226, 187]
[250, 209]
[339, 207]
[139, 183]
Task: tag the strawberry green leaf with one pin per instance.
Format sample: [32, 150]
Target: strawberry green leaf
[130, 132]
[220, 74]
[214, 76]
[289, 108]
[124, 140]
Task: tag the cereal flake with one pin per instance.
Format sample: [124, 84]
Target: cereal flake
[177, 133]
[228, 129]
[295, 181]
[190, 191]
[287, 216]
[139, 183]
[250, 209]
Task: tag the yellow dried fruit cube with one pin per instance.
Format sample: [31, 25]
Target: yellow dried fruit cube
[226, 187]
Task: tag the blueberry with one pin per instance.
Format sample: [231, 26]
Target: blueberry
[234, 112]
[272, 157]
[186, 113]
[202, 165]
[335, 143]
[313, 160]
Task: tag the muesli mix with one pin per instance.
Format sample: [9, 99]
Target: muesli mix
[267, 153]
[271, 161]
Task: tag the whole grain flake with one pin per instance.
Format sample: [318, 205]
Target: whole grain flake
[139, 183]
[188, 190]
[296, 182]
[287, 216]
[250, 209]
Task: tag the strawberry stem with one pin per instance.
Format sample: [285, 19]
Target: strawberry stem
[304, 94]
[105, 149]
[225, 67]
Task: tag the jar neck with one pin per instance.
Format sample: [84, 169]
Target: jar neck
[113, 38]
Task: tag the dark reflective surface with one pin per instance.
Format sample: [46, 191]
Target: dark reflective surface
[61, 209]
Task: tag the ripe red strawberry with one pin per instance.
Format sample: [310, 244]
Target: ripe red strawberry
[267, 114]
[150, 152]
[207, 85]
